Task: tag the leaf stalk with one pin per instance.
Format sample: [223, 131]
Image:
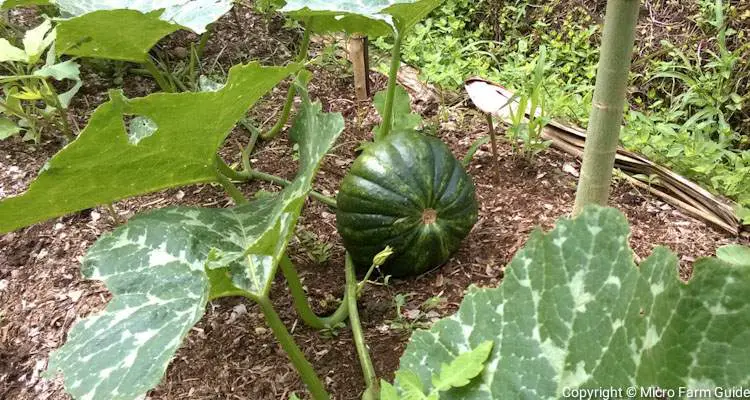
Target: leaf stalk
[391, 93]
[305, 369]
[371, 379]
[243, 176]
[299, 297]
[291, 92]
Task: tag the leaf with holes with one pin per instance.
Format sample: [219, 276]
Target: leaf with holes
[369, 17]
[105, 163]
[164, 266]
[573, 311]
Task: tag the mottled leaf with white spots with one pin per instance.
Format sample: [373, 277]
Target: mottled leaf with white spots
[369, 17]
[160, 292]
[192, 14]
[163, 267]
[574, 311]
[127, 29]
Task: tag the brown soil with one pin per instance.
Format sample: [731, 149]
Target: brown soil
[230, 353]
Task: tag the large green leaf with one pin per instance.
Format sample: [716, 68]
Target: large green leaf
[193, 14]
[734, 254]
[104, 164]
[370, 17]
[127, 29]
[101, 34]
[574, 311]
[156, 276]
[162, 268]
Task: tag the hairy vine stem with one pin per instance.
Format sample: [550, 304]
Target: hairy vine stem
[231, 189]
[371, 379]
[301, 304]
[305, 369]
[391, 93]
[254, 134]
[243, 176]
[291, 92]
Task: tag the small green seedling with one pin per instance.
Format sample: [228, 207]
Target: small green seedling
[317, 251]
[31, 104]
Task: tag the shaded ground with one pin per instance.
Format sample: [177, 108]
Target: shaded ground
[230, 354]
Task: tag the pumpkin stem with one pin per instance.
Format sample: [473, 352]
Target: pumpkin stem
[429, 216]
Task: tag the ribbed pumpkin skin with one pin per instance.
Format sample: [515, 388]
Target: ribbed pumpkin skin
[383, 198]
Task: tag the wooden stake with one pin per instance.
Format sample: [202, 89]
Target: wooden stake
[358, 55]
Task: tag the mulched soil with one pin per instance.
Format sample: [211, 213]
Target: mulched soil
[230, 354]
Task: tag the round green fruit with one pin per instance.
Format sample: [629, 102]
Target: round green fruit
[406, 191]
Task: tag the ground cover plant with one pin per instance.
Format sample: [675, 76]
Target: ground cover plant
[165, 266]
[31, 103]
[687, 106]
[407, 194]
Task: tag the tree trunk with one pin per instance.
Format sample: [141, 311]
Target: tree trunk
[603, 132]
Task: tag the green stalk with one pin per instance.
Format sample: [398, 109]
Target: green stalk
[299, 297]
[603, 132]
[391, 93]
[231, 189]
[62, 113]
[371, 380]
[8, 79]
[327, 200]
[254, 134]
[157, 75]
[178, 82]
[361, 286]
[228, 171]
[291, 92]
[204, 40]
[222, 176]
[305, 369]
[243, 176]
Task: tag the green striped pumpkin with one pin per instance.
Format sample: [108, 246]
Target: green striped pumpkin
[406, 191]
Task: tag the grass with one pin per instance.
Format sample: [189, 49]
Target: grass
[687, 100]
